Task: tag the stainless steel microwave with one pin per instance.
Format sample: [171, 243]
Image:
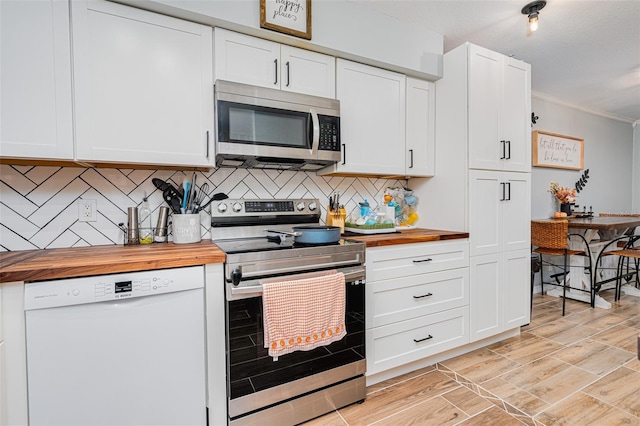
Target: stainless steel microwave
[259, 127]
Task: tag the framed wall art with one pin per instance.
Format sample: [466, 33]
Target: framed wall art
[291, 17]
[557, 151]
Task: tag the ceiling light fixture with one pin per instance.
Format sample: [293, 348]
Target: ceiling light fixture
[532, 10]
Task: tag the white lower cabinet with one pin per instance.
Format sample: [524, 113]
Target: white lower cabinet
[3, 390]
[416, 295]
[406, 341]
[13, 359]
[499, 300]
[417, 302]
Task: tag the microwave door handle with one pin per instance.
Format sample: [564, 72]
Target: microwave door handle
[315, 142]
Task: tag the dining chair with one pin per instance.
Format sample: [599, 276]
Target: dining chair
[552, 239]
[628, 249]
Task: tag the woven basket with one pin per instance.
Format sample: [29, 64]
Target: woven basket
[550, 234]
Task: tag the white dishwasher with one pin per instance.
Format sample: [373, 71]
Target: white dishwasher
[121, 349]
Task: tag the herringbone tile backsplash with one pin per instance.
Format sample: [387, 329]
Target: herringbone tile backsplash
[39, 205]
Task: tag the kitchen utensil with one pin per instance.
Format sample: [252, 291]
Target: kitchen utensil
[162, 185]
[186, 186]
[160, 234]
[311, 234]
[173, 199]
[192, 193]
[132, 226]
[204, 189]
[170, 194]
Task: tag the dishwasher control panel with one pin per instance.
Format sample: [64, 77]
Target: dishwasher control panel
[114, 287]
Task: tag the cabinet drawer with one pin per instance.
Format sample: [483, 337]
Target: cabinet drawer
[407, 341]
[405, 298]
[412, 259]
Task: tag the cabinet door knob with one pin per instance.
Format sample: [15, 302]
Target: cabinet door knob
[423, 260]
[411, 159]
[504, 156]
[423, 339]
[508, 150]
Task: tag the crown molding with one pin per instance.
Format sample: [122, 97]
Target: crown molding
[547, 98]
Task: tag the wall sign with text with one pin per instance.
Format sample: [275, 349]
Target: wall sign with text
[291, 17]
[557, 151]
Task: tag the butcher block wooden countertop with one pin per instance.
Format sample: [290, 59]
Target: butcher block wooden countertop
[38, 265]
[408, 236]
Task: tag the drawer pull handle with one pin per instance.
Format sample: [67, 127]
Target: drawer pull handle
[423, 260]
[422, 340]
[424, 295]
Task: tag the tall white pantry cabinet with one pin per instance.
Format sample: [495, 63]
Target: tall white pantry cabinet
[482, 182]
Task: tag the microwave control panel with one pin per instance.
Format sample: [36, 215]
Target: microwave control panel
[329, 133]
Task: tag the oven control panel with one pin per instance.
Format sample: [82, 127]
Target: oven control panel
[240, 207]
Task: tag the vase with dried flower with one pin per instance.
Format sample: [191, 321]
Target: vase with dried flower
[565, 195]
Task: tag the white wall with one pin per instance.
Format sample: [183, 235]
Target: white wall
[636, 167]
[608, 154]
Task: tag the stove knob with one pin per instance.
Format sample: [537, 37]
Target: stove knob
[300, 206]
[222, 207]
[236, 276]
[312, 206]
[237, 207]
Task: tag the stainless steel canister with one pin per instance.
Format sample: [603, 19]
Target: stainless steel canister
[160, 234]
[133, 236]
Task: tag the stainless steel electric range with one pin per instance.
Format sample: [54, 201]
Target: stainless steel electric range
[304, 384]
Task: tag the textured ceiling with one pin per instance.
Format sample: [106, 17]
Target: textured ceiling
[585, 53]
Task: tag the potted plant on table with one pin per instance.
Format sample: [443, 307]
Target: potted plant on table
[565, 195]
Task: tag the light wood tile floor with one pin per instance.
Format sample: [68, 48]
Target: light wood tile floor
[580, 369]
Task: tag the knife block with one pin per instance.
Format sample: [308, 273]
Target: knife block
[336, 218]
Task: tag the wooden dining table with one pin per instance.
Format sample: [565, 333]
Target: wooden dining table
[598, 231]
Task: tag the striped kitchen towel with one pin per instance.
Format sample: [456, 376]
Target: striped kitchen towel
[303, 313]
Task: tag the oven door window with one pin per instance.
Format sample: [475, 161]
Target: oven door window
[258, 125]
[252, 370]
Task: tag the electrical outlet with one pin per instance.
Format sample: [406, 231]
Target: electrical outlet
[88, 211]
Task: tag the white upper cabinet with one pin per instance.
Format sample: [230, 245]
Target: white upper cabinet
[372, 120]
[251, 60]
[499, 111]
[420, 128]
[36, 108]
[143, 86]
